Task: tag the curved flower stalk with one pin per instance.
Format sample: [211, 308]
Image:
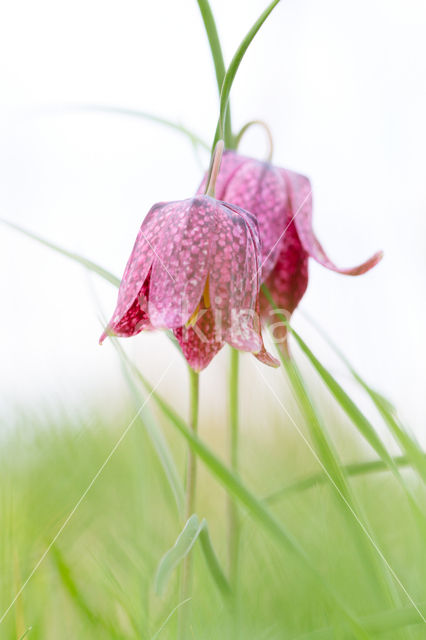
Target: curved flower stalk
[194, 269]
[281, 201]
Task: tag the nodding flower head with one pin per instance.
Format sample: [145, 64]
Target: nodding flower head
[281, 201]
[194, 269]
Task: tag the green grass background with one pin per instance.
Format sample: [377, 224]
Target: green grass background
[97, 581]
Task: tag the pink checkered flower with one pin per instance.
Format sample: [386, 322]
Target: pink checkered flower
[281, 201]
[194, 269]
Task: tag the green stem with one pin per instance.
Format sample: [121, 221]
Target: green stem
[218, 61]
[190, 494]
[233, 521]
[267, 130]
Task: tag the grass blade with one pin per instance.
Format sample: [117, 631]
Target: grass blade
[24, 635]
[192, 531]
[233, 68]
[171, 614]
[155, 434]
[212, 560]
[183, 545]
[361, 422]
[377, 623]
[219, 64]
[88, 264]
[75, 594]
[356, 469]
[407, 443]
[327, 456]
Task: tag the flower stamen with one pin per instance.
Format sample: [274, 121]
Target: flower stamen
[206, 299]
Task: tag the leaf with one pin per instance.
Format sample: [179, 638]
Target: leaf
[88, 264]
[233, 68]
[327, 456]
[219, 64]
[177, 553]
[361, 422]
[388, 412]
[377, 623]
[356, 469]
[171, 614]
[76, 595]
[155, 434]
[192, 531]
[24, 635]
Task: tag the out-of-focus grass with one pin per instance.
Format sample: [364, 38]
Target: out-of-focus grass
[97, 581]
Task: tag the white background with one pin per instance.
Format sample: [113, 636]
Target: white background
[342, 86]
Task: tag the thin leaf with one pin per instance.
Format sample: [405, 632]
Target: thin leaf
[361, 422]
[171, 614]
[155, 434]
[183, 545]
[327, 456]
[24, 635]
[219, 64]
[377, 623]
[76, 595]
[88, 264]
[135, 113]
[212, 560]
[407, 443]
[356, 469]
[233, 68]
[192, 531]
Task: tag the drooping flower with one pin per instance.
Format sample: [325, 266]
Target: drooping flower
[194, 269]
[281, 201]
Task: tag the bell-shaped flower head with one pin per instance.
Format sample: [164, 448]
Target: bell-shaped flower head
[194, 269]
[281, 201]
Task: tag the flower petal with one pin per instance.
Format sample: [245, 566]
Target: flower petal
[181, 263]
[261, 189]
[134, 320]
[234, 277]
[266, 358]
[288, 282]
[198, 343]
[301, 200]
[126, 315]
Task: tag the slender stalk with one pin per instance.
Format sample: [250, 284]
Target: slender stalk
[233, 517]
[190, 494]
[267, 130]
[218, 61]
[214, 169]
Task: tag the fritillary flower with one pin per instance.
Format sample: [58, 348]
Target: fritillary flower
[194, 269]
[281, 201]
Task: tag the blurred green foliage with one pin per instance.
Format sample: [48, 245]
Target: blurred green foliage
[97, 581]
